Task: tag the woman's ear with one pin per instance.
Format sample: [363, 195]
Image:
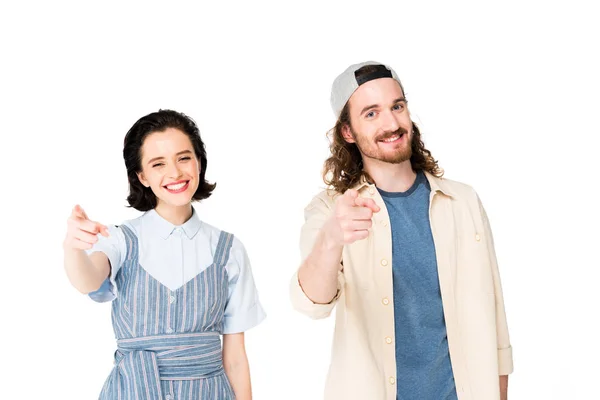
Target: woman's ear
[143, 179]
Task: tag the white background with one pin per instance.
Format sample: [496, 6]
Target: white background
[506, 96]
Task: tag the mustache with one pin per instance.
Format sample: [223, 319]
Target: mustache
[387, 135]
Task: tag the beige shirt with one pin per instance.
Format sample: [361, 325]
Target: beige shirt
[363, 364]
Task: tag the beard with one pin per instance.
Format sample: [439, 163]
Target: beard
[370, 147]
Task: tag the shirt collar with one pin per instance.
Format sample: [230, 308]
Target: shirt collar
[437, 184]
[361, 183]
[156, 223]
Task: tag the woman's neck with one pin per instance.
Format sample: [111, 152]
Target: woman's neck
[177, 215]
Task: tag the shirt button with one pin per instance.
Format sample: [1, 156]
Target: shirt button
[392, 380]
[385, 301]
[371, 191]
[171, 299]
[477, 237]
[388, 340]
[384, 222]
[169, 397]
[384, 262]
[169, 330]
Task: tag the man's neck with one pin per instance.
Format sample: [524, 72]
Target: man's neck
[391, 177]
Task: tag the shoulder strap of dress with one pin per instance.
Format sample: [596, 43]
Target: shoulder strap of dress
[223, 248]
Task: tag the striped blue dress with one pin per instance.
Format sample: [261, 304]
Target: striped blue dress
[168, 341]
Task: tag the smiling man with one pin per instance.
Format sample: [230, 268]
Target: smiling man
[407, 256]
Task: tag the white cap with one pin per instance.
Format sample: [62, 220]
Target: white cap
[346, 83]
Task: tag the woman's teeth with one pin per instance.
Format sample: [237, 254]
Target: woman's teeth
[176, 187]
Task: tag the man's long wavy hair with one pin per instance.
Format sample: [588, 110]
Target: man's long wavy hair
[344, 168]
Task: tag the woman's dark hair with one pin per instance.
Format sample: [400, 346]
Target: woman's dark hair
[140, 197]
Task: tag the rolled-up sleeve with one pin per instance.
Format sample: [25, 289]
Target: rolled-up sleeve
[243, 309]
[505, 356]
[114, 248]
[315, 215]
[306, 306]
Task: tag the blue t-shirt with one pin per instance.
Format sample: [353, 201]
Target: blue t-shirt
[422, 359]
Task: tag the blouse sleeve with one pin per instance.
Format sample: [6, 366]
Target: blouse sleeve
[243, 309]
[114, 248]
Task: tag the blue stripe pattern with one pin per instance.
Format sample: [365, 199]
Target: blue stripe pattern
[168, 341]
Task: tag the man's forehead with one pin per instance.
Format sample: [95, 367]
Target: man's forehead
[377, 90]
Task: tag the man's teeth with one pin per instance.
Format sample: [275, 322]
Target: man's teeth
[176, 187]
[393, 138]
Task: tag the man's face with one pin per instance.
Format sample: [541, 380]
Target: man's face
[380, 122]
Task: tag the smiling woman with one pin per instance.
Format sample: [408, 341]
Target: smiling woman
[157, 147]
[177, 284]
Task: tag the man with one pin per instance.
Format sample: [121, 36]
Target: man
[407, 256]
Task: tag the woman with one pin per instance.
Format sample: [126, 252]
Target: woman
[176, 283]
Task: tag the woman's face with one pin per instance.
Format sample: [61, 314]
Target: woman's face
[170, 167]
